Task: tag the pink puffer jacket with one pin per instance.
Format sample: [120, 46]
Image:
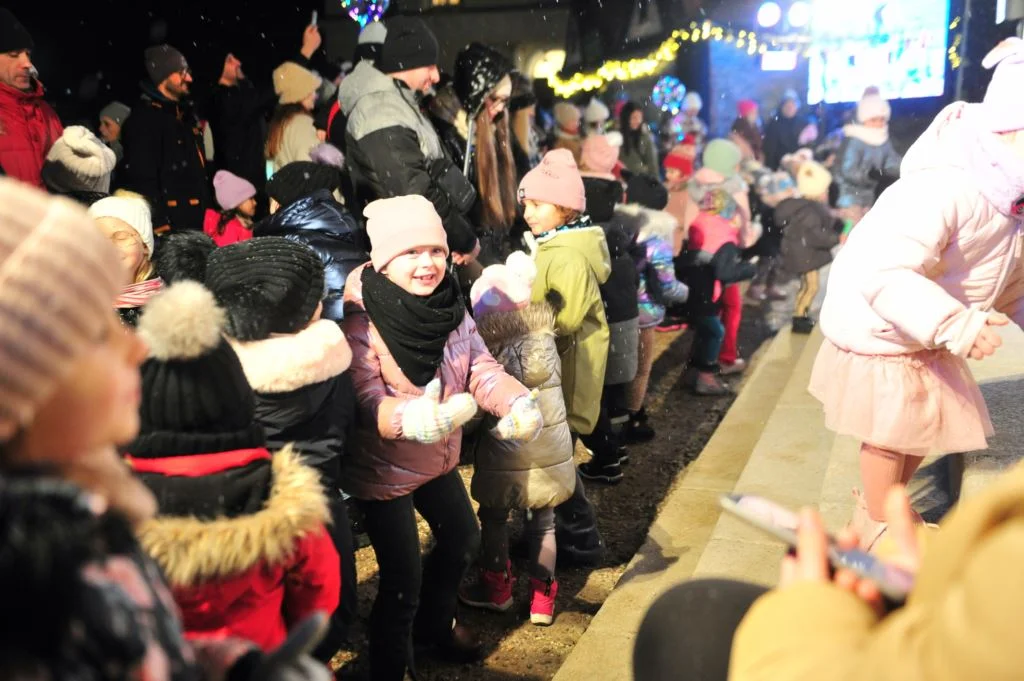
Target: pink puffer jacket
[379, 464]
[938, 252]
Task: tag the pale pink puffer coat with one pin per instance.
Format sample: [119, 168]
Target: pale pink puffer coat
[938, 252]
[379, 464]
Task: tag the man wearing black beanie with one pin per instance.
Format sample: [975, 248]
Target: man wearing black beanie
[28, 126]
[392, 149]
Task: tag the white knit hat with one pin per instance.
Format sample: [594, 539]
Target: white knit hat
[79, 161]
[596, 112]
[58, 279]
[374, 34]
[293, 83]
[873, 106]
[132, 211]
[692, 100]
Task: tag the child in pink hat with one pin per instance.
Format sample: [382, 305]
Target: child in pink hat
[420, 370]
[922, 285]
[535, 475]
[237, 199]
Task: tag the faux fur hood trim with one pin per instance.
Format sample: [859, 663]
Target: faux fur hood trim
[651, 223]
[190, 550]
[500, 328]
[281, 364]
[874, 137]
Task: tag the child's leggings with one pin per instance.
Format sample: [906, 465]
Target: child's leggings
[637, 392]
[880, 471]
[810, 283]
[540, 538]
[708, 342]
[732, 315]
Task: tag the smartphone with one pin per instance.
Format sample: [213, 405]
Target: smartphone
[780, 522]
[315, 17]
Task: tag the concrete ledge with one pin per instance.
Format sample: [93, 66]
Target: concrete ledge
[683, 529]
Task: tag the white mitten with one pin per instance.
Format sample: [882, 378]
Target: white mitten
[426, 419]
[523, 422]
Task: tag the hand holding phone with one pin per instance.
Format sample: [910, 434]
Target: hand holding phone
[893, 582]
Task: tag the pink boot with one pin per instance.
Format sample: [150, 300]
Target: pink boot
[542, 605]
[492, 591]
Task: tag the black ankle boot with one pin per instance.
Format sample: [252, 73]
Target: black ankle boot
[637, 429]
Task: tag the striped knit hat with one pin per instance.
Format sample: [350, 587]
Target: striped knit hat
[59, 276]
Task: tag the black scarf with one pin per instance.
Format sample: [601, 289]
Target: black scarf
[415, 328]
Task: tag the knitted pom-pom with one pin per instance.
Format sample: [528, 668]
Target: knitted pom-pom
[522, 266]
[184, 322]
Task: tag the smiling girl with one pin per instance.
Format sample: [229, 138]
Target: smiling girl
[419, 368]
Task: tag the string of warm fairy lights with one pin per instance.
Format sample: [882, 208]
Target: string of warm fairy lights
[666, 53]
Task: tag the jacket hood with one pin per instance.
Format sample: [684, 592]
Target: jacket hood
[281, 364]
[190, 550]
[588, 241]
[365, 79]
[602, 195]
[649, 223]
[501, 328]
[874, 137]
[958, 138]
[150, 91]
[318, 212]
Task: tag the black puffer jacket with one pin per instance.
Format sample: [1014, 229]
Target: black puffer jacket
[164, 160]
[324, 225]
[810, 232]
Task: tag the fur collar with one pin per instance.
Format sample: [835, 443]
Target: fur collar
[874, 137]
[499, 328]
[191, 551]
[651, 223]
[281, 364]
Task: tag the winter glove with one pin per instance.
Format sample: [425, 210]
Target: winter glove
[523, 422]
[291, 661]
[427, 420]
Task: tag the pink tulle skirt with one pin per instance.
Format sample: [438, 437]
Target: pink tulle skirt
[923, 403]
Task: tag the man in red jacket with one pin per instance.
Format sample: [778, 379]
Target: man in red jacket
[28, 126]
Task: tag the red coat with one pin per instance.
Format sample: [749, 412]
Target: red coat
[28, 128]
[249, 574]
[234, 230]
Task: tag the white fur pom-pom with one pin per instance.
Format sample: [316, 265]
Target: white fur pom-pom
[522, 266]
[182, 322]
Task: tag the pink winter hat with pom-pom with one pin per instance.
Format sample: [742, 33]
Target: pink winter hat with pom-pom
[1004, 99]
[504, 288]
[555, 180]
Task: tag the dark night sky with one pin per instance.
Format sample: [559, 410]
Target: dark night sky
[89, 53]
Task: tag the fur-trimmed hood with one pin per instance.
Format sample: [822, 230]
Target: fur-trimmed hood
[648, 223]
[191, 550]
[285, 363]
[500, 328]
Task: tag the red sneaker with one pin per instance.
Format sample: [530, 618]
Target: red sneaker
[542, 605]
[492, 591]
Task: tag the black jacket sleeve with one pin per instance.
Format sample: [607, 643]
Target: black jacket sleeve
[400, 169]
[729, 267]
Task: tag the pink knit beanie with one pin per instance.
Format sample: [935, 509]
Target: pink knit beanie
[599, 157]
[59, 276]
[556, 180]
[504, 288]
[231, 190]
[398, 224]
[1004, 99]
